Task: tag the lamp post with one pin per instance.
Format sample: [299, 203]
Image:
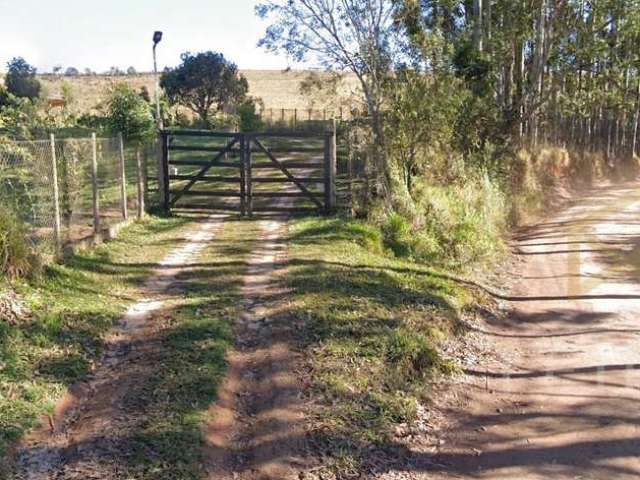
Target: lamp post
[157, 37]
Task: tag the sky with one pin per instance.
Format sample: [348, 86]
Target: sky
[101, 34]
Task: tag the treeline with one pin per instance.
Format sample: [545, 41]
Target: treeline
[474, 111]
[555, 70]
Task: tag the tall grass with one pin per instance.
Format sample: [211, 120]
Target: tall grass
[453, 225]
[17, 256]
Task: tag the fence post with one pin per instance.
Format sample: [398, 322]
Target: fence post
[140, 172]
[295, 119]
[249, 192]
[243, 175]
[123, 179]
[327, 172]
[333, 164]
[164, 173]
[94, 184]
[56, 196]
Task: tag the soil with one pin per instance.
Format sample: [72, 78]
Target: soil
[87, 437]
[257, 431]
[560, 397]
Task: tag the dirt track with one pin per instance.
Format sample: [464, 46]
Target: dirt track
[562, 399]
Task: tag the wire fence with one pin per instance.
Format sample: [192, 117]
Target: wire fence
[68, 190]
[303, 119]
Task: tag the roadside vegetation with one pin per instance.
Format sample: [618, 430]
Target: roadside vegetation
[471, 117]
[375, 327]
[70, 307]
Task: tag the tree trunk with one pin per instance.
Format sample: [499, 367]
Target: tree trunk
[478, 25]
[636, 121]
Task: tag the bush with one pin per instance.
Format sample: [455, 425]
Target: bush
[449, 225]
[17, 258]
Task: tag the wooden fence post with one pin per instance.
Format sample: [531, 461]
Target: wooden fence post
[164, 173]
[333, 164]
[327, 172]
[94, 184]
[249, 192]
[56, 197]
[243, 175]
[160, 159]
[140, 172]
[123, 179]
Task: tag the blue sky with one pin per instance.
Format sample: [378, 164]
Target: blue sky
[105, 33]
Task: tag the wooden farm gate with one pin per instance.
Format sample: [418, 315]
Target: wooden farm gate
[252, 172]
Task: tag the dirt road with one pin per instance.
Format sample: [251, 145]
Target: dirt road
[562, 399]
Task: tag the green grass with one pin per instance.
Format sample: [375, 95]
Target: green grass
[374, 327]
[77, 303]
[167, 442]
[73, 306]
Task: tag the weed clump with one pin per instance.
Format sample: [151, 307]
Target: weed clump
[447, 225]
[17, 256]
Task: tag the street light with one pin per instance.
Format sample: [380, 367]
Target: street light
[157, 37]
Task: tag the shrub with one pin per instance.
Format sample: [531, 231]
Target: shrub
[450, 225]
[17, 258]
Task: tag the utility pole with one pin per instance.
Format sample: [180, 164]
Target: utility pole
[157, 37]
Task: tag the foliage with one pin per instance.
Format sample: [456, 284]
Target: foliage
[249, 118]
[205, 83]
[421, 120]
[17, 258]
[128, 113]
[21, 80]
[454, 226]
[359, 36]
[73, 306]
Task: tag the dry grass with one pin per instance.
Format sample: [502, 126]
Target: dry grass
[277, 89]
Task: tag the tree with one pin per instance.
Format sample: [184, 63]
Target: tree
[131, 71]
[250, 120]
[360, 36]
[71, 72]
[21, 79]
[421, 119]
[128, 113]
[205, 82]
[57, 69]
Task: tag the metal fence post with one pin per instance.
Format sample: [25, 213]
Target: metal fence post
[94, 182]
[123, 179]
[56, 196]
[140, 172]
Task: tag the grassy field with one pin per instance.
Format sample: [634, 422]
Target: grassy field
[276, 88]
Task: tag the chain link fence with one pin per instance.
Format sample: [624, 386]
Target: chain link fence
[55, 187]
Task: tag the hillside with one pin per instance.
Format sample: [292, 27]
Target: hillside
[278, 89]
